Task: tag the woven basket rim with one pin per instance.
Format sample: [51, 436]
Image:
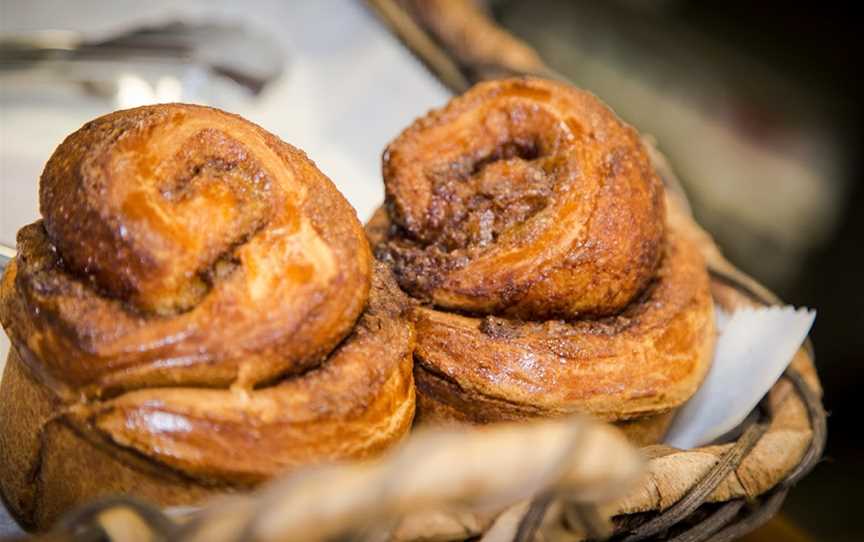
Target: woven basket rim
[691, 517]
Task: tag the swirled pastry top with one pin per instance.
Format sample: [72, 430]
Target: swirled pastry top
[529, 220]
[181, 245]
[523, 198]
[356, 404]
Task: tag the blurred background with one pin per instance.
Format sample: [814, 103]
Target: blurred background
[756, 104]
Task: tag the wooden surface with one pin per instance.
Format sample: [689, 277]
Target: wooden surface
[779, 529]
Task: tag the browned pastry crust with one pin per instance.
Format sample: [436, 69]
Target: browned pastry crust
[525, 198]
[197, 312]
[434, 407]
[528, 219]
[171, 222]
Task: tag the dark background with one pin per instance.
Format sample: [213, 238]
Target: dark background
[785, 72]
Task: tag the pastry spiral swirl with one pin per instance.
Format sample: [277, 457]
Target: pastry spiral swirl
[530, 222]
[200, 294]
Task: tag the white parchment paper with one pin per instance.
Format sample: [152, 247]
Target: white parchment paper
[754, 346]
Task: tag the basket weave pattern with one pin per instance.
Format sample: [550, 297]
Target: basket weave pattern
[715, 493]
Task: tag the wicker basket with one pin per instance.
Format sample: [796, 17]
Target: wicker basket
[499, 484]
[713, 493]
[572, 479]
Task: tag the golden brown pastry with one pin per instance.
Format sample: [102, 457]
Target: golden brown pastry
[528, 220]
[197, 311]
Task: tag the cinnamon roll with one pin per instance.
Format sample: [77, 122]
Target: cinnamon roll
[528, 221]
[197, 311]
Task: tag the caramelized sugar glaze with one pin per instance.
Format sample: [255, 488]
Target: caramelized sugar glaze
[528, 220]
[197, 291]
